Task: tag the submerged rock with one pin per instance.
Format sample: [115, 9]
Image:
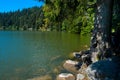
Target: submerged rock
[65, 76]
[69, 65]
[46, 77]
[102, 70]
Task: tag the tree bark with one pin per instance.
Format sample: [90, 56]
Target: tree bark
[101, 35]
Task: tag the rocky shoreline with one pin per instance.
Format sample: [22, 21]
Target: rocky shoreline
[107, 69]
[75, 74]
[79, 69]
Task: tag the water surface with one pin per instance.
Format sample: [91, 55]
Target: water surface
[25, 55]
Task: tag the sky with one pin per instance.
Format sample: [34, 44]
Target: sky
[13, 5]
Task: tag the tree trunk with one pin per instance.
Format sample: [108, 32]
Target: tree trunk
[101, 35]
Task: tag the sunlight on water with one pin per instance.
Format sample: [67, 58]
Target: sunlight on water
[27, 55]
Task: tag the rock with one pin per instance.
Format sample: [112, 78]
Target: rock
[83, 56]
[102, 70]
[77, 54]
[56, 71]
[65, 76]
[46, 77]
[83, 68]
[80, 77]
[86, 58]
[78, 66]
[82, 72]
[70, 66]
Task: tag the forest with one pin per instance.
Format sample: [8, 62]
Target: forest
[31, 18]
[75, 16]
[71, 16]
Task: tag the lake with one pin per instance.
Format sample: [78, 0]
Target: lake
[25, 54]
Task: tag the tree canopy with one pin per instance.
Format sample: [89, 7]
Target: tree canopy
[22, 20]
[69, 15]
[57, 15]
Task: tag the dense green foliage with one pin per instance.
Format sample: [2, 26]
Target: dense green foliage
[116, 14]
[57, 15]
[74, 15]
[26, 19]
[69, 15]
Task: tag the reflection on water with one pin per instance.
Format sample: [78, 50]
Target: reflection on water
[25, 55]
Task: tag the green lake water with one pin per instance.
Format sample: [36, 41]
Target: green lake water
[25, 55]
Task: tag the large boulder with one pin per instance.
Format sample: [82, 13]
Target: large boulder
[69, 65]
[65, 76]
[102, 70]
